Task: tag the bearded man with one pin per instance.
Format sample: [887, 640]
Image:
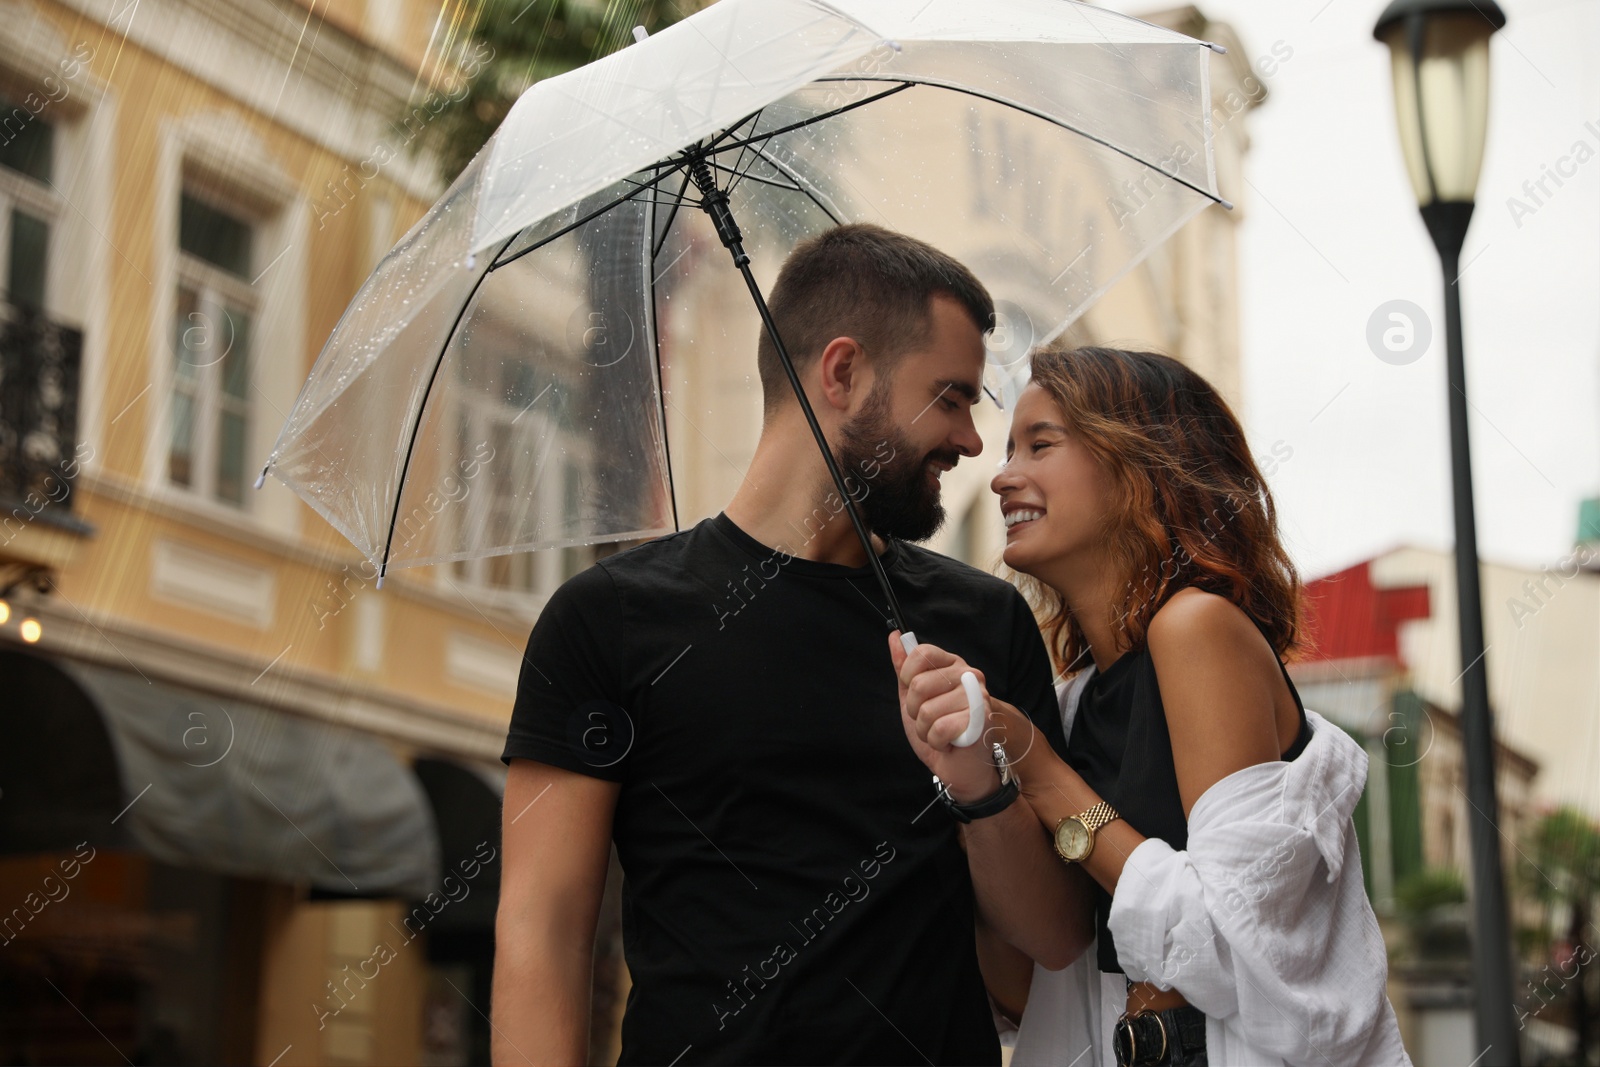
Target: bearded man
[719, 704]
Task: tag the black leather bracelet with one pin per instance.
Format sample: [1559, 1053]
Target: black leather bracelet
[993, 804]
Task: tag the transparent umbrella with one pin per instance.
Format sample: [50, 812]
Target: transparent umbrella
[496, 385]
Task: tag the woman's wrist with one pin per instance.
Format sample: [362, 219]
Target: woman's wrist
[975, 788]
[1056, 790]
[1027, 751]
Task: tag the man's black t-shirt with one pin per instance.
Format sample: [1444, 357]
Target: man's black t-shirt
[792, 892]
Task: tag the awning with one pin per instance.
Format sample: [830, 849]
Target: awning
[59, 781]
[237, 788]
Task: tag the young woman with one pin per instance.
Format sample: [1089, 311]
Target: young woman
[1210, 809]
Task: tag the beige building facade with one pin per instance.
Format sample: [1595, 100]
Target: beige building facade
[191, 193]
[1542, 638]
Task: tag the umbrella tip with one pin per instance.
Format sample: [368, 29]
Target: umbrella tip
[261, 479]
[1217, 48]
[894, 44]
[640, 33]
[380, 579]
[472, 260]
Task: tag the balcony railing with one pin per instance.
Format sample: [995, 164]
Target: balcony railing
[39, 371]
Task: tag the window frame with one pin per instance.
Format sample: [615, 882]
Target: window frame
[536, 572]
[226, 162]
[216, 290]
[39, 199]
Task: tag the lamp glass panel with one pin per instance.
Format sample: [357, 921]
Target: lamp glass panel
[1442, 110]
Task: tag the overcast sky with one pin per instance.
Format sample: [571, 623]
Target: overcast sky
[1331, 232]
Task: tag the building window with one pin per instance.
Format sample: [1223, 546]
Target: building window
[29, 204]
[525, 477]
[212, 351]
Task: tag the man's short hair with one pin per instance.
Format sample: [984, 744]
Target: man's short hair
[865, 282]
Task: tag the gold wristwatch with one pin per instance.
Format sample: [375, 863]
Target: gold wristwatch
[1075, 834]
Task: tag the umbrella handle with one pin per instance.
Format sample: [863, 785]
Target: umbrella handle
[976, 708]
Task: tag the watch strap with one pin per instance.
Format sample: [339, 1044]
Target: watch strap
[1096, 817]
[993, 804]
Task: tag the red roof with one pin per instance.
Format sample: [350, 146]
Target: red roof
[1347, 617]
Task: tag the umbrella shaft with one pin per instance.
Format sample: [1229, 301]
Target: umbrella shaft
[896, 616]
[715, 203]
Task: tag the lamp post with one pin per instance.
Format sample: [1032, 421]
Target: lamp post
[1440, 54]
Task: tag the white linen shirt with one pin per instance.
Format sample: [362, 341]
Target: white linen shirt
[1262, 923]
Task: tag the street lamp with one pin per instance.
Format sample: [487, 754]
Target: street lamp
[1440, 53]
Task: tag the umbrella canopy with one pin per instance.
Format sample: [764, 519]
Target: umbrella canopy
[496, 384]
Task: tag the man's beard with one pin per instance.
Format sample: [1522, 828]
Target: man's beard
[888, 482]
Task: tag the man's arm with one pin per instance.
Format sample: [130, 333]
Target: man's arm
[555, 846]
[1007, 973]
[1024, 893]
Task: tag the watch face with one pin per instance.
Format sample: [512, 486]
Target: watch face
[1073, 839]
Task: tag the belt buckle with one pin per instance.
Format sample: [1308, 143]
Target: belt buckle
[1125, 1025]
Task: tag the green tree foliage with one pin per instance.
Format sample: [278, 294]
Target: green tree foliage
[1560, 868]
[527, 42]
[1563, 860]
[1420, 893]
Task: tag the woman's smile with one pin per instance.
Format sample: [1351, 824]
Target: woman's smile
[1018, 517]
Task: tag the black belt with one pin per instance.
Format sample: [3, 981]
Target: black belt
[1148, 1038]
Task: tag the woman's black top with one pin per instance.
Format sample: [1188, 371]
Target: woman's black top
[1120, 745]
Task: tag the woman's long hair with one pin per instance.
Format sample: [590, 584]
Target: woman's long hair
[1188, 504]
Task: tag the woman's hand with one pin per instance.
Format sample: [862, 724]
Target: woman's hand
[933, 710]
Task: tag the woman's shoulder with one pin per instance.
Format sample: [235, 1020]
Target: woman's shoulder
[1192, 614]
[1199, 626]
[1206, 647]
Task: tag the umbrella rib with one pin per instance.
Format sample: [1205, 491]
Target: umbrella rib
[643, 187]
[648, 284]
[814, 119]
[755, 120]
[739, 176]
[778, 165]
[713, 144]
[740, 172]
[422, 408]
[666, 228]
[762, 181]
[1085, 134]
[662, 201]
[735, 174]
[799, 183]
[590, 217]
[793, 189]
